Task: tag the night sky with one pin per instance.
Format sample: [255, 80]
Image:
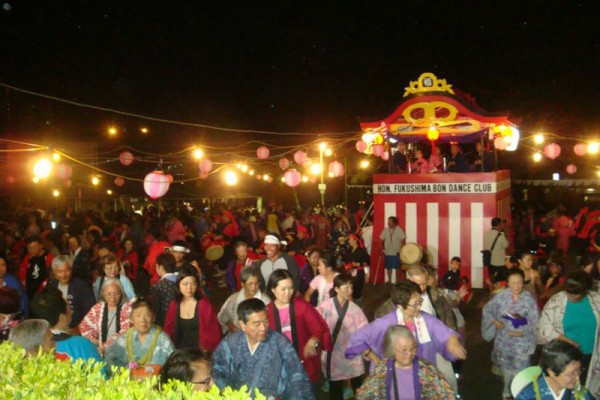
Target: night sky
[293, 66]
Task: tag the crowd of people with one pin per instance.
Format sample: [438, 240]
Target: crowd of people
[135, 291]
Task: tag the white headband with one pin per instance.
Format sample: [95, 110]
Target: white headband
[180, 249]
[270, 239]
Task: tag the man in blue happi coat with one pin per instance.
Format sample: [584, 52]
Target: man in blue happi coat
[260, 358]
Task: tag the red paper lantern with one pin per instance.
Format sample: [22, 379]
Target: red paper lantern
[580, 149]
[552, 150]
[119, 181]
[336, 169]
[385, 156]
[67, 183]
[284, 163]
[126, 158]
[156, 184]
[571, 169]
[300, 157]
[63, 171]
[361, 146]
[203, 175]
[169, 178]
[262, 153]
[205, 165]
[499, 143]
[378, 150]
[10, 180]
[292, 178]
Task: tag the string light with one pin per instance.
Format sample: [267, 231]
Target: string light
[364, 164]
[95, 181]
[198, 154]
[42, 168]
[537, 157]
[231, 178]
[593, 148]
[55, 193]
[538, 139]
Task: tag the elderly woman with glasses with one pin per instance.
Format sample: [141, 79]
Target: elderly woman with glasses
[560, 362]
[431, 335]
[510, 319]
[403, 375]
[109, 317]
[573, 315]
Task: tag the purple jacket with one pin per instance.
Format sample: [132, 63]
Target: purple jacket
[371, 337]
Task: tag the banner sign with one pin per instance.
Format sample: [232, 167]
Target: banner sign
[441, 188]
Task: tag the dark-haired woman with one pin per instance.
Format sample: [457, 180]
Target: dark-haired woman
[359, 260]
[189, 365]
[309, 270]
[129, 259]
[344, 318]
[510, 319]
[561, 367]
[298, 321]
[573, 315]
[323, 282]
[191, 320]
[144, 347]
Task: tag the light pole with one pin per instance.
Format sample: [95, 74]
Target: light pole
[322, 185]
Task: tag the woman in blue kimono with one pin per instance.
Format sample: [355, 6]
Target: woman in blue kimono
[510, 319]
[561, 366]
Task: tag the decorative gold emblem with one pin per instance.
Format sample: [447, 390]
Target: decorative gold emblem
[428, 82]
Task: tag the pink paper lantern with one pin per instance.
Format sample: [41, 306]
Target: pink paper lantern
[571, 169]
[284, 163]
[67, 183]
[378, 150]
[203, 175]
[580, 149]
[300, 157]
[336, 169]
[262, 153]
[361, 146]
[63, 171]
[126, 158]
[156, 184]
[205, 165]
[385, 156]
[552, 150]
[499, 143]
[292, 178]
[119, 181]
[169, 178]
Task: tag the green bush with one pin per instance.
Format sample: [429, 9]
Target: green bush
[43, 377]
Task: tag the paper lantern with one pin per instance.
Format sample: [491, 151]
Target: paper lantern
[205, 165]
[385, 156]
[67, 183]
[571, 169]
[203, 175]
[552, 150]
[433, 134]
[336, 169]
[580, 149]
[156, 184]
[292, 178]
[10, 180]
[63, 171]
[300, 157]
[126, 158]
[119, 181]
[361, 146]
[284, 163]
[499, 143]
[169, 178]
[312, 179]
[262, 153]
[378, 150]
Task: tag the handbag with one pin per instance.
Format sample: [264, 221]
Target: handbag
[487, 254]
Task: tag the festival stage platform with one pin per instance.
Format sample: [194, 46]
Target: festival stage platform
[447, 214]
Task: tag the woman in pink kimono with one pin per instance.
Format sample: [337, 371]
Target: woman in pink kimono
[336, 368]
[563, 226]
[420, 165]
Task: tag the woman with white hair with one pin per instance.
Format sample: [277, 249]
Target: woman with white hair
[109, 317]
[402, 374]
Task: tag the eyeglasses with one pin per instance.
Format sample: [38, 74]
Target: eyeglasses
[409, 350]
[416, 304]
[574, 374]
[204, 382]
